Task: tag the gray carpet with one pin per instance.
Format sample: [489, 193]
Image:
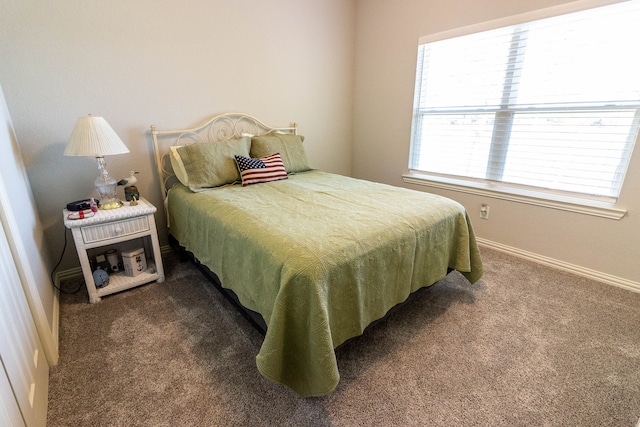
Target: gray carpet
[527, 345]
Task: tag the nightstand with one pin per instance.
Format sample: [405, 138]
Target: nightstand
[127, 228]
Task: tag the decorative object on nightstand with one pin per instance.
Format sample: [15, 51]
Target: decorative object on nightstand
[92, 136]
[112, 259]
[100, 278]
[130, 189]
[134, 262]
[129, 231]
[131, 193]
[101, 262]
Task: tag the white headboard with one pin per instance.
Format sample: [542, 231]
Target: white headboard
[218, 128]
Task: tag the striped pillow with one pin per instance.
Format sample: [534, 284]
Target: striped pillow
[263, 169]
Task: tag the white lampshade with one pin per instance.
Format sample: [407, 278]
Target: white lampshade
[92, 136]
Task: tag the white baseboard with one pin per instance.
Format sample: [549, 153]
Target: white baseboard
[540, 259]
[71, 273]
[565, 266]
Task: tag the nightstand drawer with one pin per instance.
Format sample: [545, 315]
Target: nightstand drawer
[96, 233]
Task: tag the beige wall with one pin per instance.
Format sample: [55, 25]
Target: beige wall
[320, 63]
[172, 64]
[386, 46]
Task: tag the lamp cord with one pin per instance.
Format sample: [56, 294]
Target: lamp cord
[53, 282]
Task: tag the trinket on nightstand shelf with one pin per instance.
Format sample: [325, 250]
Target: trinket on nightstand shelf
[134, 262]
[100, 278]
[112, 259]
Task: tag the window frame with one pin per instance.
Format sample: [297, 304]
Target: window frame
[598, 206]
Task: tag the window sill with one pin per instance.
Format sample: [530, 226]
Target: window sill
[582, 206]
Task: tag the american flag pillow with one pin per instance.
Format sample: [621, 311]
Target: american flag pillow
[263, 169]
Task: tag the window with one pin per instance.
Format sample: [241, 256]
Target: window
[550, 105]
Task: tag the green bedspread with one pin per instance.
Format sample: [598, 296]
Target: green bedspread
[321, 256]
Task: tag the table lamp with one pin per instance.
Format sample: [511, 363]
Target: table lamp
[93, 137]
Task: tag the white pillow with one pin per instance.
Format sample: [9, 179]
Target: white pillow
[177, 165]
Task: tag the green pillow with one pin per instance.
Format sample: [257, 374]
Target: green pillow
[212, 164]
[289, 146]
[177, 165]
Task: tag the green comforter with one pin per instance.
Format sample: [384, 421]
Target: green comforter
[321, 256]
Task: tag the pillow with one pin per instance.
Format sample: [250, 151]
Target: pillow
[289, 146]
[212, 164]
[264, 169]
[177, 165]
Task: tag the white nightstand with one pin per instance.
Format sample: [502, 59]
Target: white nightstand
[124, 229]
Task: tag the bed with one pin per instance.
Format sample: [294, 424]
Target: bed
[318, 256]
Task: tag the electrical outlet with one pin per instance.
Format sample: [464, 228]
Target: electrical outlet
[484, 211]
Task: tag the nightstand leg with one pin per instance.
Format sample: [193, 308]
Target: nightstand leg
[156, 251]
[86, 268]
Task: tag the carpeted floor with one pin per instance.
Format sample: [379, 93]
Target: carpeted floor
[527, 345]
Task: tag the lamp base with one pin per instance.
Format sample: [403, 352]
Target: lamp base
[110, 204]
[106, 187]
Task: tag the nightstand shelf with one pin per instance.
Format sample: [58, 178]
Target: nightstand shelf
[119, 282]
[123, 228]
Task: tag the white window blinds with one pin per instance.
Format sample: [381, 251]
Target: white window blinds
[552, 103]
